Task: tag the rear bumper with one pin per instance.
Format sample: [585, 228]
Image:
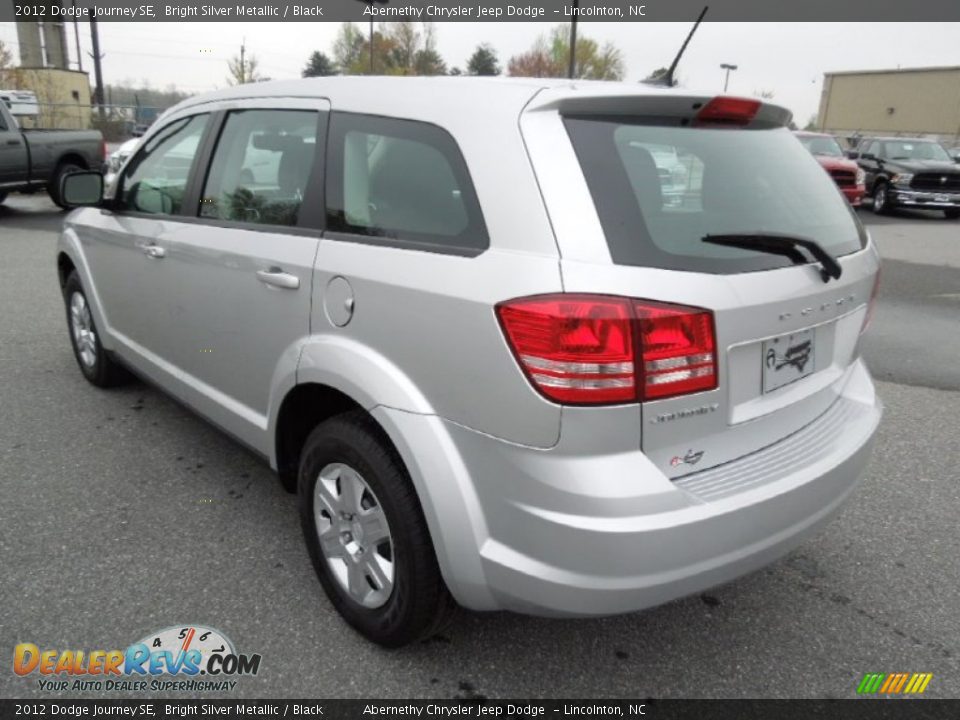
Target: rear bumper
[559, 532]
[919, 198]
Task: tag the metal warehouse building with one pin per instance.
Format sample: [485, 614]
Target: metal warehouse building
[916, 101]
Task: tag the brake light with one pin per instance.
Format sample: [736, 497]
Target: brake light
[603, 350]
[872, 304]
[678, 349]
[103, 149]
[723, 110]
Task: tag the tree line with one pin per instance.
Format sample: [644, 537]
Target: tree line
[410, 48]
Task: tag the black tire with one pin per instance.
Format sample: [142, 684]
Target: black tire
[419, 604]
[103, 371]
[881, 199]
[952, 213]
[53, 189]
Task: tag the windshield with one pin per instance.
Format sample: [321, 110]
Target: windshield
[821, 145]
[659, 190]
[913, 150]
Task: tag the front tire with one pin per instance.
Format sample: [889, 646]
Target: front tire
[881, 199]
[952, 213]
[56, 184]
[95, 363]
[366, 533]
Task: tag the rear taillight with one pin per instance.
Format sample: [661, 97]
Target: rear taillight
[872, 304]
[724, 110]
[103, 149]
[602, 350]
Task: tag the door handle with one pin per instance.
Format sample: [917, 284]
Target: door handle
[13, 142]
[154, 251]
[275, 277]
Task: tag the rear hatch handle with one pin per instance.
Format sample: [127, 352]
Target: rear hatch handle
[786, 245]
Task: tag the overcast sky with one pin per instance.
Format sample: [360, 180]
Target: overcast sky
[788, 59]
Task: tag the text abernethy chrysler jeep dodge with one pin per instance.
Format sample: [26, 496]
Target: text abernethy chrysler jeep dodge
[558, 348]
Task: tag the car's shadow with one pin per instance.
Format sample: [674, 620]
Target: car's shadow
[31, 212]
[899, 215]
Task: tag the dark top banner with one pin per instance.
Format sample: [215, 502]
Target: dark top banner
[479, 709]
[481, 11]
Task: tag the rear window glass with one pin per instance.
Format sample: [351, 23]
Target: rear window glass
[660, 190]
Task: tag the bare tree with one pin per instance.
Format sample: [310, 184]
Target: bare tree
[6, 57]
[243, 69]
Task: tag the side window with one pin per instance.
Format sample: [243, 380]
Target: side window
[402, 180]
[3, 122]
[261, 166]
[875, 149]
[155, 180]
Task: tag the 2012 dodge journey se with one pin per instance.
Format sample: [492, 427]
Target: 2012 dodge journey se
[558, 348]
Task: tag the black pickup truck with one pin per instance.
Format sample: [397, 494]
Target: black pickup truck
[909, 172]
[32, 160]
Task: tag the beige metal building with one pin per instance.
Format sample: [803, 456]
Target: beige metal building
[913, 101]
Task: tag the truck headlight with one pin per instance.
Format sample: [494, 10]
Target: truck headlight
[861, 176]
[902, 178]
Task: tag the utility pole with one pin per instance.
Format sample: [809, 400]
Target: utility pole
[572, 72]
[76, 37]
[97, 70]
[370, 4]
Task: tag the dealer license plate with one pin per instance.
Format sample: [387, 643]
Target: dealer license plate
[787, 358]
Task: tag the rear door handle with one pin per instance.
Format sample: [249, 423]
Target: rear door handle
[13, 142]
[154, 251]
[275, 277]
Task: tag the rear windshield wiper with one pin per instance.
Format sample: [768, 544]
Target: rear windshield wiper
[786, 245]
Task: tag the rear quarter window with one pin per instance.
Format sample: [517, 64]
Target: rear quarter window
[659, 190]
[401, 183]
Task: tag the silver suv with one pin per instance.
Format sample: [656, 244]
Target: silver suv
[504, 359]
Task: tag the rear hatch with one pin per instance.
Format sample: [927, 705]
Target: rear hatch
[679, 192]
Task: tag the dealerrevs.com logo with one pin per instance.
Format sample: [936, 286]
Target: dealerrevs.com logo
[186, 658]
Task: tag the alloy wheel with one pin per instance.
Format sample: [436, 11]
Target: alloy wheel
[81, 325]
[354, 535]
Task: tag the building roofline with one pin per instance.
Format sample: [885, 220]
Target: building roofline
[935, 68]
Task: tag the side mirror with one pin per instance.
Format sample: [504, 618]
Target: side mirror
[82, 189]
[853, 154]
[867, 156]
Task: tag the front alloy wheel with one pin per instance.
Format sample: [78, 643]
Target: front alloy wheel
[96, 364]
[81, 326]
[881, 203]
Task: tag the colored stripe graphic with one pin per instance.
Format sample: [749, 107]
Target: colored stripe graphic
[894, 683]
[870, 683]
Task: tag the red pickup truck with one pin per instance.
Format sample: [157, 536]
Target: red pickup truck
[845, 173]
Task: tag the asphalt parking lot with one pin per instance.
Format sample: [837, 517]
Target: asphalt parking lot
[122, 513]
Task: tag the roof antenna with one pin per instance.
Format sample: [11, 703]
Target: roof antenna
[666, 79]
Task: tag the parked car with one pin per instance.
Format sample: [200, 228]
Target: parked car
[463, 322]
[909, 172]
[845, 172]
[955, 154]
[116, 159]
[32, 160]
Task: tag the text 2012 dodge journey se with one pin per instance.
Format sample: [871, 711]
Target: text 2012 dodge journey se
[558, 348]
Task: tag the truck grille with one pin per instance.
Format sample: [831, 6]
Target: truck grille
[844, 178]
[934, 182]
